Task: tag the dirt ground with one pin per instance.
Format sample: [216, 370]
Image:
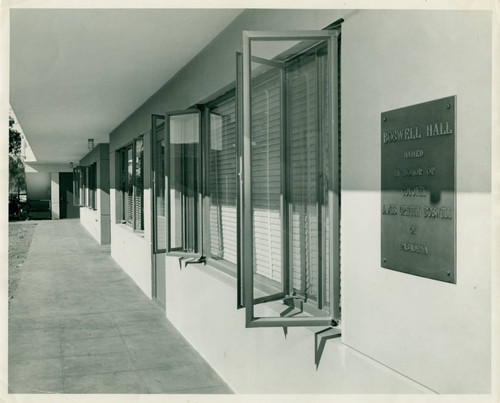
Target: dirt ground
[20, 236]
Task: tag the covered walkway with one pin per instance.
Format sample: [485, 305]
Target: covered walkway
[79, 324]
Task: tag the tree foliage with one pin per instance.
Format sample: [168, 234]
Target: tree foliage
[14, 138]
[17, 179]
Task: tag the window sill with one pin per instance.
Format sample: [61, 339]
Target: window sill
[223, 266]
[209, 269]
[127, 227]
[271, 309]
[178, 253]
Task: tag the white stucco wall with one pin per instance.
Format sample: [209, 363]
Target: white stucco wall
[97, 222]
[201, 303]
[434, 332]
[132, 249]
[38, 185]
[90, 219]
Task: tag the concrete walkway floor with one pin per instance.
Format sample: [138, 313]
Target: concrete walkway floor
[79, 324]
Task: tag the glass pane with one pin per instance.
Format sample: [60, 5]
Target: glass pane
[290, 170]
[281, 51]
[139, 184]
[306, 139]
[266, 158]
[183, 180]
[159, 183]
[222, 181]
[329, 163]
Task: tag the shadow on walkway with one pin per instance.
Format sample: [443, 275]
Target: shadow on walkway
[79, 324]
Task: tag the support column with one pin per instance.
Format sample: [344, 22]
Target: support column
[54, 195]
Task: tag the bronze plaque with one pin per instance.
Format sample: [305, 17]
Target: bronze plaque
[418, 190]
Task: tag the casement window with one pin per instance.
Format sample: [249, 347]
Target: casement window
[183, 170]
[260, 193]
[221, 186]
[290, 201]
[158, 178]
[131, 160]
[203, 225]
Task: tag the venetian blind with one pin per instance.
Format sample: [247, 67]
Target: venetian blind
[266, 174]
[308, 173]
[222, 181]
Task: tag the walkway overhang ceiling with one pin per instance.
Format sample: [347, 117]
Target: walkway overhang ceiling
[77, 74]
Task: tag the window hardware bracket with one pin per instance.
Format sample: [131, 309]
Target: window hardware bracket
[201, 259]
[181, 259]
[285, 331]
[320, 339]
[291, 302]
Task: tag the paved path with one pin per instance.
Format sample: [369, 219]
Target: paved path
[79, 324]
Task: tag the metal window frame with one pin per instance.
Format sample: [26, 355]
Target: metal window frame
[154, 141]
[199, 202]
[246, 225]
[123, 164]
[240, 292]
[154, 227]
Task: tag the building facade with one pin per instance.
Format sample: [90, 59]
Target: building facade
[246, 197]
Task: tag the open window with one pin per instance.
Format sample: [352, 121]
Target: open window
[183, 170]
[158, 188]
[290, 201]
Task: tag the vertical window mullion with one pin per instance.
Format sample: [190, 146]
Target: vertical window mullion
[335, 202]
[247, 227]
[319, 181]
[240, 298]
[123, 183]
[184, 199]
[285, 190]
[134, 184]
[200, 180]
[206, 182]
[168, 184]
